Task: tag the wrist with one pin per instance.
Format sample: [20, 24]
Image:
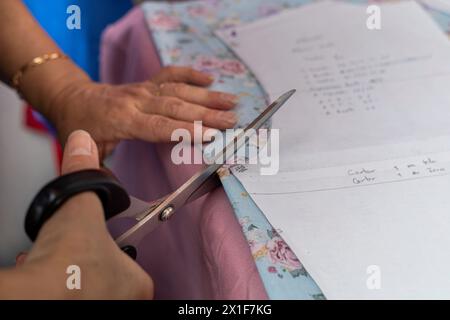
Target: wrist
[64, 98]
[43, 85]
[80, 215]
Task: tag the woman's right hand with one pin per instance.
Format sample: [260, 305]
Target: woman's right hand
[76, 235]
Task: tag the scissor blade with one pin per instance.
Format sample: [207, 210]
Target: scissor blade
[138, 209]
[213, 181]
[270, 110]
[232, 147]
[210, 184]
[198, 185]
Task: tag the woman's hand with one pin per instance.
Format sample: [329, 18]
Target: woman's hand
[66, 96]
[150, 111]
[76, 235]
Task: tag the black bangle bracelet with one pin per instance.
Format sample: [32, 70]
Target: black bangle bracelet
[53, 195]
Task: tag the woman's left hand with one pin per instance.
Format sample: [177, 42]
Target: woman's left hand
[150, 110]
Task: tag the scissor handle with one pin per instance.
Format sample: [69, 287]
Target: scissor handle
[53, 195]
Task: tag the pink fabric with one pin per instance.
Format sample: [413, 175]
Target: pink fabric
[201, 253]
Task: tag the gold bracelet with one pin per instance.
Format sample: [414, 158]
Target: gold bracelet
[34, 63]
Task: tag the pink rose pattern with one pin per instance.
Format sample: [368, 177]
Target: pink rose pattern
[198, 11]
[270, 244]
[164, 22]
[256, 243]
[268, 10]
[232, 67]
[280, 253]
[207, 63]
[228, 67]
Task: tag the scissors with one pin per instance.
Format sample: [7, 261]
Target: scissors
[118, 204]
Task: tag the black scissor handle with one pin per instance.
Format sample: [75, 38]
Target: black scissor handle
[53, 195]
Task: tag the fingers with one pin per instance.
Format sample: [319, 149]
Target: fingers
[201, 96]
[183, 74]
[80, 153]
[180, 110]
[158, 128]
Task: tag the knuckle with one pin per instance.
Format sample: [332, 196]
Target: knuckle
[167, 87]
[126, 106]
[158, 122]
[180, 89]
[138, 91]
[152, 87]
[121, 115]
[149, 125]
[209, 115]
[173, 106]
[142, 91]
[158, 126]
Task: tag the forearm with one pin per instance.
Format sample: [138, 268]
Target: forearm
[22, 39]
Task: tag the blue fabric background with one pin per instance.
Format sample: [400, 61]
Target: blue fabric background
[81, 45]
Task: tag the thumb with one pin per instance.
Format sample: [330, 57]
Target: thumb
[80, 153]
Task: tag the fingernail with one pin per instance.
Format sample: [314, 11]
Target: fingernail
[20, 255]
[20, 258]
[211, 78]
[230, 98]
[79, 143]
[229, 118]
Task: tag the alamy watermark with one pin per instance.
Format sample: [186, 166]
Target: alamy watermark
[373, 281]
[253, 147]
[73, 21]
[73, 281]
[373, 21]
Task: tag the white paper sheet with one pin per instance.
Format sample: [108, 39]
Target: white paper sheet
[364, 145]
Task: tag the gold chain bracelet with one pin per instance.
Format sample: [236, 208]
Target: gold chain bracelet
[34, 63]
